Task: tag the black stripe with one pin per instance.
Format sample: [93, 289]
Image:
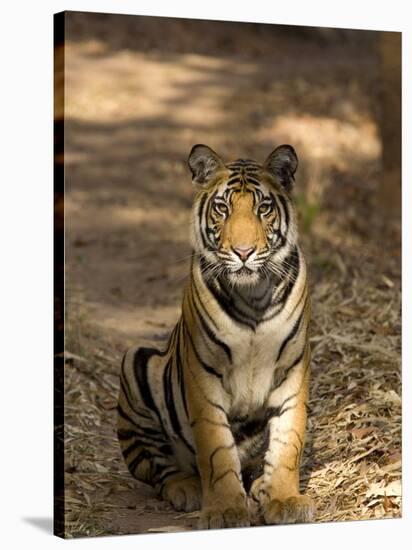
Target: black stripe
[168, 392]
[152, 436]
[292, 264]
[202, 305]
[140, 370]
[163, 475]
[205, 219]
[226, 302]
[170, 405]
[123, 362]
[211, 403]
[291, 334]
[286, 373]
[212, 456]
[200, 214]
[285, 208]
[236, 166]
[288, 290]
[152, 433]
[249, 429]
[288, 399]
[125, 416]
[245, 309]
[160, 486]
[173, 338]
[181, 381]
[234, 180]
[123, 435]
[206, 367]
[124, 385]
[292, 260]
[252, 180]
[298, 302]
[141, 441]
[211, 370]
[144, 454]
[132, 447]
[166, 449]
[262, 198]
[211, 334]
[298, 436]
[225, 473]
[176, 353]
[271, 412]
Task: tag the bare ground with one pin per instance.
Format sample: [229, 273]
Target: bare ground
[138, 96]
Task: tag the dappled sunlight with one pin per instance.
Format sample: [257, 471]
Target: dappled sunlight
[153, 89]
[134, 216]
[328, 140]
[123, 218]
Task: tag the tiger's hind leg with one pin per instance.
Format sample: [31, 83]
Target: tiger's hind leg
[183, 491]
[144, 444]
[154, 465]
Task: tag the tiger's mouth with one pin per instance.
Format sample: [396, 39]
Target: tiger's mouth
[213, 265]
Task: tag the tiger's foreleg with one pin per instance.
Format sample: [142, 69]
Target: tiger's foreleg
[277, 490]
[224, 502]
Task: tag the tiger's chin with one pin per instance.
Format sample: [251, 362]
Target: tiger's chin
[244, 277]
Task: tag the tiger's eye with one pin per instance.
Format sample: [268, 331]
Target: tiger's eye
[264, 209]
[221, 208]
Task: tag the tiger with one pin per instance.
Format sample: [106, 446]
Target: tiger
[216, 420]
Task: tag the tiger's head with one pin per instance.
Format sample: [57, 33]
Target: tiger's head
[244, 222]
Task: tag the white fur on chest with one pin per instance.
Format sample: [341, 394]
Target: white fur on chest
[249, 379]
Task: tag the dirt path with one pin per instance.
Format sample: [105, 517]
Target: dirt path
[132, 114]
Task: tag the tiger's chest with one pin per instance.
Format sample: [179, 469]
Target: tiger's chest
[249, 379]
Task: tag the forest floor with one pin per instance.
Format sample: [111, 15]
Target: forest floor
[133, 111]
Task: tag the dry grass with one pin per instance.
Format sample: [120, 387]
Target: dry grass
[352, 463]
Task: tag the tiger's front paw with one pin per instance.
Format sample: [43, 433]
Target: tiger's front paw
[214, 517]
[184, 494]
[296, 509]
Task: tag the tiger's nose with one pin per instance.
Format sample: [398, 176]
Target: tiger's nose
[244, 252]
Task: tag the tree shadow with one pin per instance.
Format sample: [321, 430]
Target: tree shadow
[204, 37]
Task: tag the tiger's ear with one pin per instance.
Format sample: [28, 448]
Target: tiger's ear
[282, 164]
[204, 163]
